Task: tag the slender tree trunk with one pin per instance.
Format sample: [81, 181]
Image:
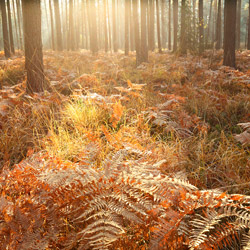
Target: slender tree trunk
[105, 26]
[136, 32]
[12, 47]
[15, 21]
[175, 16]
[248, 37]
[218, 27]
[114, 25]
[144, 46]
[152, 25]
[33, 45]
[19, 17]
[127, 5]
[201, 27]
[75, 23]
[194, 19]
[92, 27]
[229, 32]
[238, 24]
[86, 24]
[183, 41]
[52, 25]
[49, 42]
[158, 26]
[169, 26]
[58, 26]
[71, 27]
[214, 22]
[131, 25]
[209, 24]
[163, 23]
[5, 30]
[109, 28]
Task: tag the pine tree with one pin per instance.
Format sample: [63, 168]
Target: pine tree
[33, 45]
[229, 32]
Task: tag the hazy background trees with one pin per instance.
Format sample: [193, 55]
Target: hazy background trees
[185, 26]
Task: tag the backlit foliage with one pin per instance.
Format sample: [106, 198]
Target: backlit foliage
[112, 157]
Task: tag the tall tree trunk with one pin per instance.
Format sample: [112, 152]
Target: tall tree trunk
[86, 24]
[16, 27]
[19, 17]
[218, 27]
[248, 37]
[58, 26]
[33, 45]
[201, 27]
[71, 27]
[6, 40]
[229, 33]
[158, 26]
[163, 23]
[194, 19]
[127, 5]
[152, 25]
[136, 32]
[214, 22]
[209, 24]
[131, 25]
[169, 26]
[238, 24]
[175, 16]
[12, 47]
[50, 43]
[52, 25]
[114, 25]
[183, 41]
[105, 26]
[144, 46]
[109, 28]
[92, 27]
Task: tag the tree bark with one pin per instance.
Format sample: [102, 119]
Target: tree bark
[71, 27]
[248, 37]
[158, 26]
[52, 25]
[92, 27]
[209, 24]
[105, 26]
[6, 41]
[114, 25]
[194, 20]
[16, 27]
[151, 39]
[33, 45]
[175, 16]
[127, 5]
[169, 26]
[163, 23]
[229, 33]
[183, 41]
[238, 24]
[136, 32]
[19, 17]
[218, 27]
[12, 47]
[59, 44]
[131, 25]
[201, 27]
[144, 46]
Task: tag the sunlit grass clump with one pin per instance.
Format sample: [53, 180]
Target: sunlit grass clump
[79, 124]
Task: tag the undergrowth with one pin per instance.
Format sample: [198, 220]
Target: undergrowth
[112, 155]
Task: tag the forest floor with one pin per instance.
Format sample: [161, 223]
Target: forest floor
[183, 109]
[112, 156]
